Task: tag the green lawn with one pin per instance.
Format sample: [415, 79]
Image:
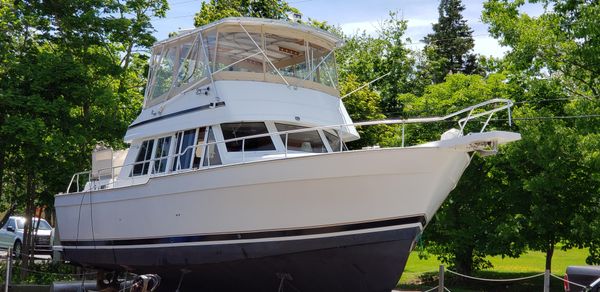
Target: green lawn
[421, 274]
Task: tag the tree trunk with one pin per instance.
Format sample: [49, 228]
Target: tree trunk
[549, 254]
[464, 260]
[2, 174]
[28, 235]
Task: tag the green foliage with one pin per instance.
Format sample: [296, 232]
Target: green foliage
[368, 57]
[72, 79]
[214, 10]
[468, 228]
[563, 42]
[554, 58]
[41, 273]
[363, 105]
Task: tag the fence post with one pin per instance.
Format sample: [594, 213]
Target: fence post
[8, 268]
[441, 278]
[547, 281]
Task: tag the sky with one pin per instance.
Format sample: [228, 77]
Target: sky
[357, 15]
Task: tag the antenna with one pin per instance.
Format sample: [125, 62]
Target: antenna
[366, 84]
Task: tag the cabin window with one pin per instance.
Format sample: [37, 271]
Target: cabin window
[334, 141]
[161, 154]
[192, 67]
[287, 54]
[199, 151]
[210, 39]
[163, 78]
[142, 161]
[308, 141]
[185, 140]
[211, 155]
[244, 129]
[322, 65]
[237, 51]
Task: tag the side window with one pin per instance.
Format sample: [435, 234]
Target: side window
[243, 129]
[211, 155]
[334, 141]
[199, 151]
[183, 158]
[308, 141]
[20, 224]
[163, 78]
[11, 223]
[142, 161]
[161, 154]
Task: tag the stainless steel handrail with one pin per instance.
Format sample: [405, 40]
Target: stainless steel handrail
[506, 105]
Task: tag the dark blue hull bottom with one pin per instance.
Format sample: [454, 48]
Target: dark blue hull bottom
[370, 262]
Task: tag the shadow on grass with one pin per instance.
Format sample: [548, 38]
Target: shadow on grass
[456, 283]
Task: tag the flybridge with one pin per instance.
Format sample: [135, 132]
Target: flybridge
[243, 49]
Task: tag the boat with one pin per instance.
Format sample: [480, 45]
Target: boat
[238, 175]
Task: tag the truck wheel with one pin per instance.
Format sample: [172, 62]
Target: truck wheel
[17, 248]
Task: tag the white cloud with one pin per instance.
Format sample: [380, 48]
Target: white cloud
[418, 28]
[420, 22]
[352, 28]
[489, 46]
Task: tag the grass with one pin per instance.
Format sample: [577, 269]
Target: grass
[421, 274]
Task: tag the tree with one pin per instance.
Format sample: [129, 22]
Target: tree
[468, 227]
[561, 43]
[72, 79]
[449, 47]
[554, 58]
[363, 105]
[369, 57]
[214, 10]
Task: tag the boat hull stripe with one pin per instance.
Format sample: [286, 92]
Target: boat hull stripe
[183, 112]
[249, 235]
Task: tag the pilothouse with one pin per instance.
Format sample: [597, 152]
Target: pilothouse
[238, 173]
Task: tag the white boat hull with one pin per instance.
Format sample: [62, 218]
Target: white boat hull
[303, 192]
[304, 207]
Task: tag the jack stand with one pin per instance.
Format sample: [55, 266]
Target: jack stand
[282, 277]
[183, 272]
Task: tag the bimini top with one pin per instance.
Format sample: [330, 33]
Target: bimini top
[250, 49]
[253, 21]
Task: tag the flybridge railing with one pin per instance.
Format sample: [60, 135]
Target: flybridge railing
[105, 178]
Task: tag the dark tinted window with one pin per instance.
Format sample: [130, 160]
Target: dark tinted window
[184, 141]
[143, 158]
[308, 141]
[162, 152]
[11, 222]
[238, 130]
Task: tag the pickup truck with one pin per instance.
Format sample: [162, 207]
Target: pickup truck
[588, 276]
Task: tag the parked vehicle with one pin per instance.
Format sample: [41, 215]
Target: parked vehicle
[584, 275]
[12, 233]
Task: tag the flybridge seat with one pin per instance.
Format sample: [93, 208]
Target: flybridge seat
[247, 49]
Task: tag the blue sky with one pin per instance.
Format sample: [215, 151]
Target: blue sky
[356, 15]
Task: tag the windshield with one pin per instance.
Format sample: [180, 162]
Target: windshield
[43, 224]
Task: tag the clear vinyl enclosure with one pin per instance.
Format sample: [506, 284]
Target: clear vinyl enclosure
[242, 51]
